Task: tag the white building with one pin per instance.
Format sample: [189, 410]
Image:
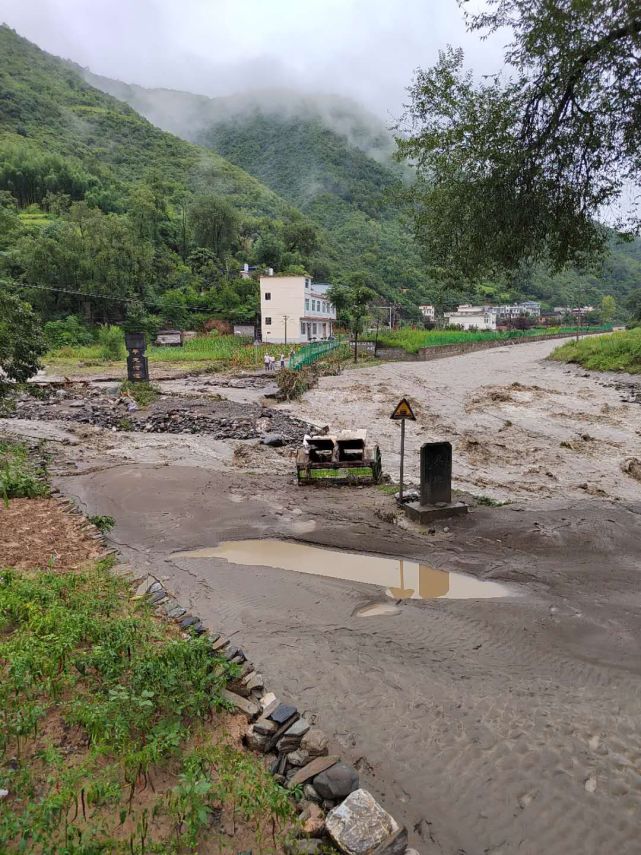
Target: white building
[428, 312]
[472, 317]
[528, 308]
[293, 310]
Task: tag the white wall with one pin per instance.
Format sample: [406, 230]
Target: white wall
[287, 298]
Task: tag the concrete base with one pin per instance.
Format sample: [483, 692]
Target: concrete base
[428, 513]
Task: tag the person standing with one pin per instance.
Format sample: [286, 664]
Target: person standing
[266, 362]
[282, 360]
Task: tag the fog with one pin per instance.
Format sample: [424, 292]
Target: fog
[363, 49]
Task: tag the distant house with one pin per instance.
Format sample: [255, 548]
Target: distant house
[472, 317]
[293, 309]
[508, 312]
[428, 312]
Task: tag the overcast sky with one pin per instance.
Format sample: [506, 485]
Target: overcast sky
[367, 49]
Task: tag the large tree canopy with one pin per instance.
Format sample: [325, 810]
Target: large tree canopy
[517, 167]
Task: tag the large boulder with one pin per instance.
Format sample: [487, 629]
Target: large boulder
[337, 782]
[360, 826]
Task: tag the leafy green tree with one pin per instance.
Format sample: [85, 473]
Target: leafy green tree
[21, 340]
[215, 223]
[352, 305]
[608, 308]
[518, 167]
[9, 220]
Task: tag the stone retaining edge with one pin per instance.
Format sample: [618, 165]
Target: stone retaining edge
[351, 816]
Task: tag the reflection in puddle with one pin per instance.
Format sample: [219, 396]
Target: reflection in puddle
[377, 609]
[401, 579]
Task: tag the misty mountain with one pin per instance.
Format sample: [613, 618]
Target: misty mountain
[324, 154]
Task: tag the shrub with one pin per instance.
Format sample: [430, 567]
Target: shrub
[68, 332]
[112, 343]
[19, 477]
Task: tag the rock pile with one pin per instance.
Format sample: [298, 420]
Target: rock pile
[169, 414]
[331, 802]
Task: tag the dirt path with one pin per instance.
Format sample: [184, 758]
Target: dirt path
[521, 427]
[496, 726]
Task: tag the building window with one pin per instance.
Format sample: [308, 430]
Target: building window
[268, 322]
[308, 283]
[302, 327]
[314, 329]
[268, 295]
[307, 305]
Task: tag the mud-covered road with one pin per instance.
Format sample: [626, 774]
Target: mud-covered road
[522, 427]
[493, 726]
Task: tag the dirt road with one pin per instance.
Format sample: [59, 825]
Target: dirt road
[521, 427]
[488, 726]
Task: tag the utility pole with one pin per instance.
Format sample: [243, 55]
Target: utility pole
[285, 318]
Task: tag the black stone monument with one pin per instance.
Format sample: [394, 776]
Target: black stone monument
[137, 364]
[436, 473]
[436, 486]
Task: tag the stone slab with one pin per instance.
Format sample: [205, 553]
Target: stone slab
[429, 513]
[317, 765]
[246, 706]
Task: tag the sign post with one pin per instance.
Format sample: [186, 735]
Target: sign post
[402, 413]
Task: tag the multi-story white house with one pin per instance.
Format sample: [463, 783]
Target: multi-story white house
[294, 310]
[472, 317]
[518, 310]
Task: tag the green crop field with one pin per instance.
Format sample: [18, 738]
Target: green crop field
[412, 340]
[619, 351]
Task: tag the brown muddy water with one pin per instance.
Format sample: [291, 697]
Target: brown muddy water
[399, 578]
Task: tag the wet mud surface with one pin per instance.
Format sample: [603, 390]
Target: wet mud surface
[500, 726]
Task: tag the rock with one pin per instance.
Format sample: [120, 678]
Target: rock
[313, 768]
[291, 739]
[153, 588]
[158, 596]
[275, 440]
[336, 782]
[310, 794]
[265, 726]
[188, 621]
[360, 826]
[269, 702]
[143, 587]
[282, 713]
[253, 681]
[314, 742]
[298, 758]
[176, 612]
[299, 728]
[313, 820]
[246, 706]
[255, 741]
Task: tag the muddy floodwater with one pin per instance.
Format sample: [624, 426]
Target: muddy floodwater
[401, 579]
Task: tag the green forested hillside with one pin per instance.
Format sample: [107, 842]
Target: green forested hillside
[104, 214]
[334, 162]
[325, 155]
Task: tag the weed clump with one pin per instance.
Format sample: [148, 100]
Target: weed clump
[142, 393]
[20, 477]
[106, 718]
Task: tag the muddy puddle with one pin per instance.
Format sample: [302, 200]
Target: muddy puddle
[401, 579]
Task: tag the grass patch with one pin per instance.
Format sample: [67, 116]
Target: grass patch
[619, 351]
[142, 393]
[102, 523]
[412, 340]
[226, 350]
[108, 718]
[489, 502]
[20, 476]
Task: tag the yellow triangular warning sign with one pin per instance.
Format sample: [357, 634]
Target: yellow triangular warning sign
[403, 411]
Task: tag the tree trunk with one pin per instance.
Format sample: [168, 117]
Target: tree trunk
[356, 347]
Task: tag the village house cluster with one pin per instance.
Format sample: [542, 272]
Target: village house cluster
[490, 317]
